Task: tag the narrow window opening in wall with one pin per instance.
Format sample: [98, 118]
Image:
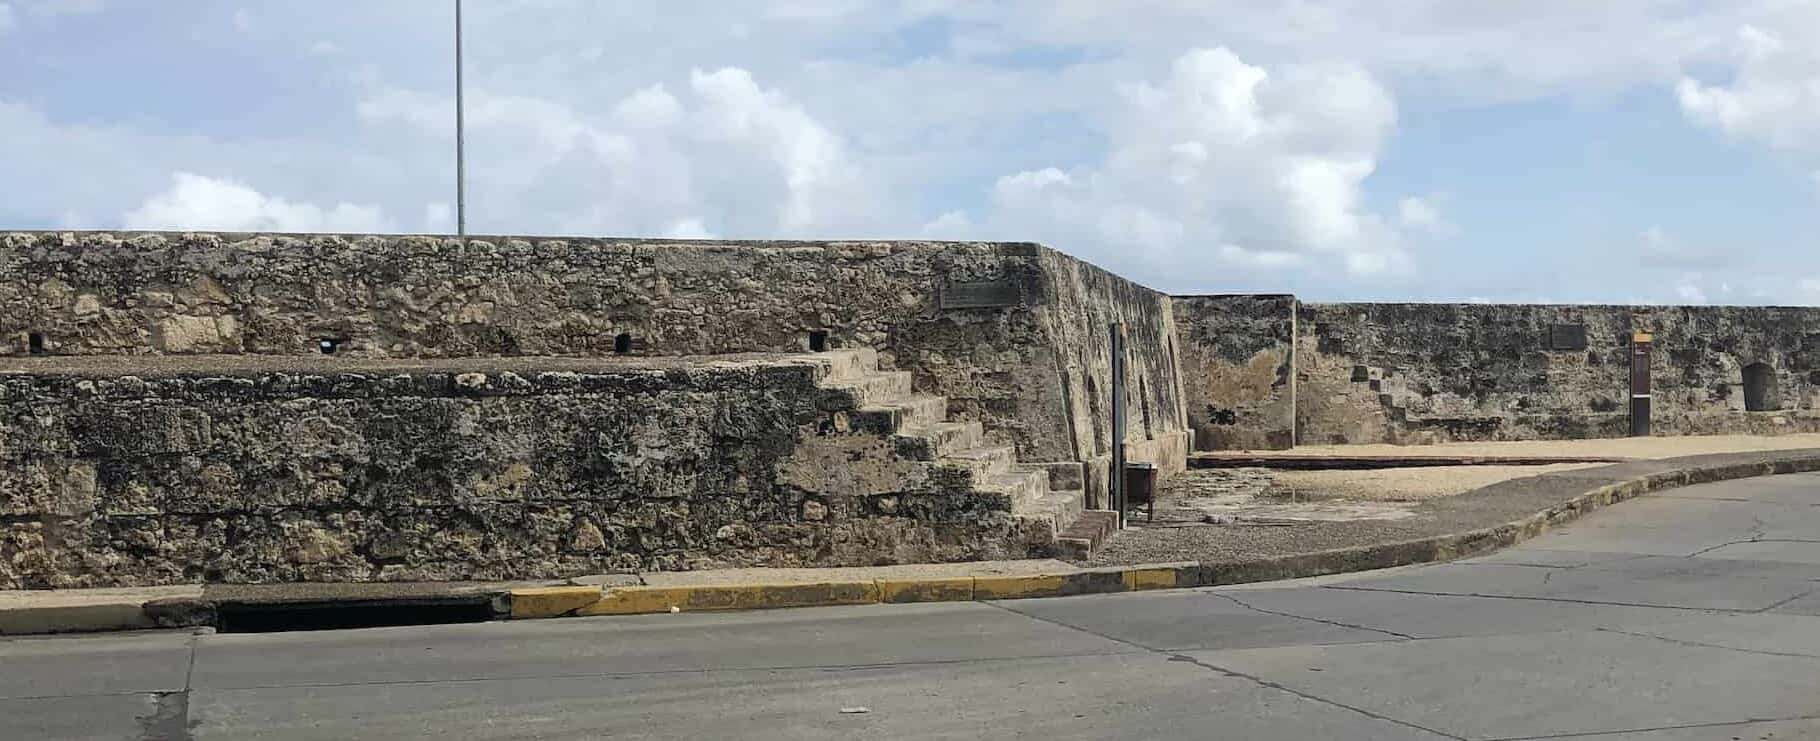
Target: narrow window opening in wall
[1144, 406]
[622, 344]
[328, 345]
[1100, 434]
[1760, 394]
[818, 341]
[34, 343]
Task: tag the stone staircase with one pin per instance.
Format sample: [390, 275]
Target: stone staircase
[1046, 497]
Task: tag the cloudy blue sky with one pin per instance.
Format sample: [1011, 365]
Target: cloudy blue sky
[1522, 150]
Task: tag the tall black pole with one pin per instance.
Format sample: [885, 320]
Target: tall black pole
[461, 162]
[1116, 483]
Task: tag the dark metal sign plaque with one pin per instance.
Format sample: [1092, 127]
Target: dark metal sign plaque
[1567, 337]
[980, 294]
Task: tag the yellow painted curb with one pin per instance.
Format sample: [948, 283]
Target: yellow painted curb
[1019, 587]
[1162, 577]
[547, 602]
[639, 600]
[951, 589]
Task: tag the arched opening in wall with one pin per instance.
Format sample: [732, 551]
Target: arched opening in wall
[1760, 394]
[818, 341]
[622, 344]
[34, 343]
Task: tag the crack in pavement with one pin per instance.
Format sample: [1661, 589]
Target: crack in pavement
[169, 719]
[1334, 623]
[1556, 599]
[1260, 681]
[671, 672]
[1782, 602]
[1702, 644]
[1180, 657]
[1757, 539]
[1595, 734]
[170, 716]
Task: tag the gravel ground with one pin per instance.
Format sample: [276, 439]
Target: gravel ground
[1500, 499]
[1404, 484]
[1623, 447]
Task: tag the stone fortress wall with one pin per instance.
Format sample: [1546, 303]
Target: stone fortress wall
[1017, 344]
[1422, 373]
[184, 407]
[261, 407]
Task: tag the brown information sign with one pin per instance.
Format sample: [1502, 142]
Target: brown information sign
[980, 294]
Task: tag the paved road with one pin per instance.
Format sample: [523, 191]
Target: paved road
[1693, 614]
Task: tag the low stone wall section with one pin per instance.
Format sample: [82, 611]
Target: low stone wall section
[251, 470]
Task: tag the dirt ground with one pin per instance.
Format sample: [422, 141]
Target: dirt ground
[1404, 484]
[1623, 447]
[1217, 496]
[1416, 484]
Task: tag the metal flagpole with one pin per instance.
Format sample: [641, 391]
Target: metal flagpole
[461, 163]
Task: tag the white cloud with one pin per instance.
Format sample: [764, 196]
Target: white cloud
[63, 7]
[243, 21]
[1662, 250]
[1810, 289]
[325, 48]
[1773, 95]
[1229, 161]
[949, 225]
[733, 153]
[1687, 289]
[1423, 214]
[688, 229]
[438, 218]
[196, 202]
[7, 19]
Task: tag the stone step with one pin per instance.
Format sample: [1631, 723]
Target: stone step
[847, 364]
[984, 460]
[927, 442]
[873, 389]
[1058, 508]
[1063, 475]
[1024, 488]
[1064, 505]
[916, 410]
[923, 409]
[1084, 535]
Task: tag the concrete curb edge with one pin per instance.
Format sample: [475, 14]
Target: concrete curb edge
[1114, 579]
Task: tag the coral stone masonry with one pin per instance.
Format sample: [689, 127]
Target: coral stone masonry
[182, 408]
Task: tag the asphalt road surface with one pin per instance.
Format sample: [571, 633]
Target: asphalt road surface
[1689, 614]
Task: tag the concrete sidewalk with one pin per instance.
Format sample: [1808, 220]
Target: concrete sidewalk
[1453, 527]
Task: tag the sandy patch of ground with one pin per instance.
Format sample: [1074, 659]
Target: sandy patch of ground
[1402, 484]
[1623, 447]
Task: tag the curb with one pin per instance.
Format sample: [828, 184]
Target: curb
[539, 602]
[1115, 579]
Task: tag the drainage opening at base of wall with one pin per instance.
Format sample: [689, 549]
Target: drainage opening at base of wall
[622, 344]
[273, 618]
[818, 340]
[34, 343]
[1760, 393]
